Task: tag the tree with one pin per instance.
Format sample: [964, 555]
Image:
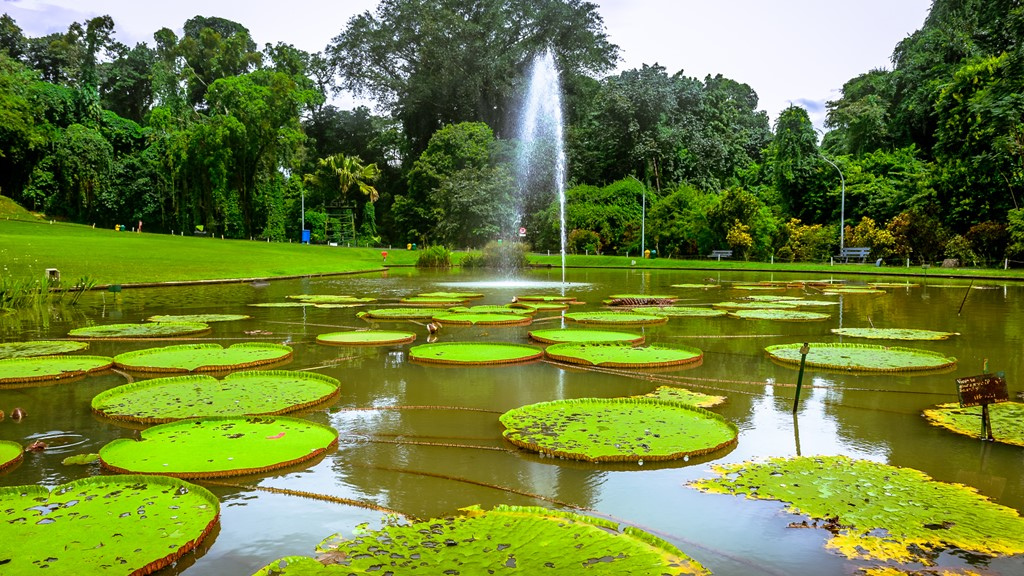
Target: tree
[340, 172]
[435, 63]
[126, 83]
[214, 48]
[796, 166]
[861, 118]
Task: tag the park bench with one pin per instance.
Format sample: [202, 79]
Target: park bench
[719, 254]
[858, 252]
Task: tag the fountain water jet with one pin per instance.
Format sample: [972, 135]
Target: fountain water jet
[541, 130]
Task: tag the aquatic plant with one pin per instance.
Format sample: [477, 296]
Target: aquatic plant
[562, 335]
[684, 396]
[11, 454]
[861, 357]
[622, 355]
[616, 317]
[365, 338]
[474, 353]
[37, 369]
[144, 330]
[525, 539]
[103, 525]
[40, 348]
[482, 319]
[680, 311]
[203, 357]
[617, 429]
[1007, 419]
[204, 318]
[399, 314]
[894, 333]
[786, 315]
[875, 511]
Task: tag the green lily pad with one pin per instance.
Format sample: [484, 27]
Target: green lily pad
[203, 357]
[204, 318]
[892, 285]
[562, 335]
[801, 303]
[894, 333]
[103, 525]
[542, 298]
[401, 313]
[680, 311]
[617, 429]
[80, 459]
[258, 392]
[754, 305]
[875, 511]
[837, 291]
[281, 304]
[759, 286]
[696, 286]
[47, 368]
[534, 306]
[862, 357]
[217, 447]
[366, 338]
[622, 355]
[452, 295]
[684, 396]
[10, 454]
[770, 298]
[507, 539]
[642, 297]
[1007, 420]
[145, 330]
[482, 319]
[492, 309]
[616, 317]
[40, 348]
[434, 301]
[786, 315]
[332, 299]
[474, 353]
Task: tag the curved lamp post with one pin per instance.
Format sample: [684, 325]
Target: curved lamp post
[842, 206]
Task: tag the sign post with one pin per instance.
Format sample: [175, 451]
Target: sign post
[800, 377]
[982, 390]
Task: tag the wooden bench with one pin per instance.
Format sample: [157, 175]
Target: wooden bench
[719, 254]
[858, 252]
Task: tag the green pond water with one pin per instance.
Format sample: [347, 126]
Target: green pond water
[430, 461]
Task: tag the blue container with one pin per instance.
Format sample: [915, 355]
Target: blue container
[305, 236]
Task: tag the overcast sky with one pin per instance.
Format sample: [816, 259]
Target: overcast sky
[788, 51]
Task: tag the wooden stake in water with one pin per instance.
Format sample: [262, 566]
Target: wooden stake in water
[800, 377]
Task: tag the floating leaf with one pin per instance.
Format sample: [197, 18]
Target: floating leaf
[40, 348]
[535, 306]
[482, 319]
[862, 357]
[685, 396]
[281, 304]
[507, 539]
[10, 454]
[560, 335]
[893, 333]
[616, 317]
[216, 447]
[617, 429]
[332, 299]
[47, 368]
[770, 298]
[433, 301]
[622, 355]
[80, 459]
[401, 313]
[642, 297]
[680, 311]
[786, 315]
[800, 303]
[452, 295]
[474, 353]
[103, 525]
[754, 305]
[892, 285]
[205, 318]
[701, 286]
[366, 338]
[258, 392]
[203, 357]
[145, 330]
[494, 309]
[876, 511]
[542, 298]
[1007, 419]
[837, 291]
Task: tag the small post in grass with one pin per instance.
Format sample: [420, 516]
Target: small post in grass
[800, 377]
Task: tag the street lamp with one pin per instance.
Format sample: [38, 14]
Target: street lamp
[643, 214]
[842, 205]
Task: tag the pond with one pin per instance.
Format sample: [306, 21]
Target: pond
[424, 440]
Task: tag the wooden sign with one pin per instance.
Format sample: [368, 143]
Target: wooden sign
[981, 390]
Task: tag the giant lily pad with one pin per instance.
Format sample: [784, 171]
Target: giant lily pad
[680, 311]
[366, 338]
[851, 290]
[10, 454]
[562, 335]
[695, 286]
[862, 357]
[507, 539]
[281, 304]
[615, 317]
[755, 305]
[145, 330]
[482, 319]
[787, 315]
[204, 318]
[474, 353]
[40, 348]
[453, 295]
[684, 396]
[432, 301]
[617, 429]
[541, 298]
[258, 392]
[103, 525]
[203, 357]
[217, 447]
[893, 333]
[877, 511]
[47, 368]
[332, 299]
[622, 355]
[400, 313]
[1007, 420]
[493, 309]
[535, 306]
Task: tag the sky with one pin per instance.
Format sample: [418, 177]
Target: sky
[789, 51]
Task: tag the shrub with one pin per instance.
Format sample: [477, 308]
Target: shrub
[958, 247]
[807, 243]
[739, 239]
[435, 257]
[988, 240]
[1015, 231]
[584, 241]
[867, 234]
[505, 256]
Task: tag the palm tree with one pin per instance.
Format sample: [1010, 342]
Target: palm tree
[342, 172]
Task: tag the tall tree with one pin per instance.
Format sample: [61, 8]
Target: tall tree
[796, 166]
